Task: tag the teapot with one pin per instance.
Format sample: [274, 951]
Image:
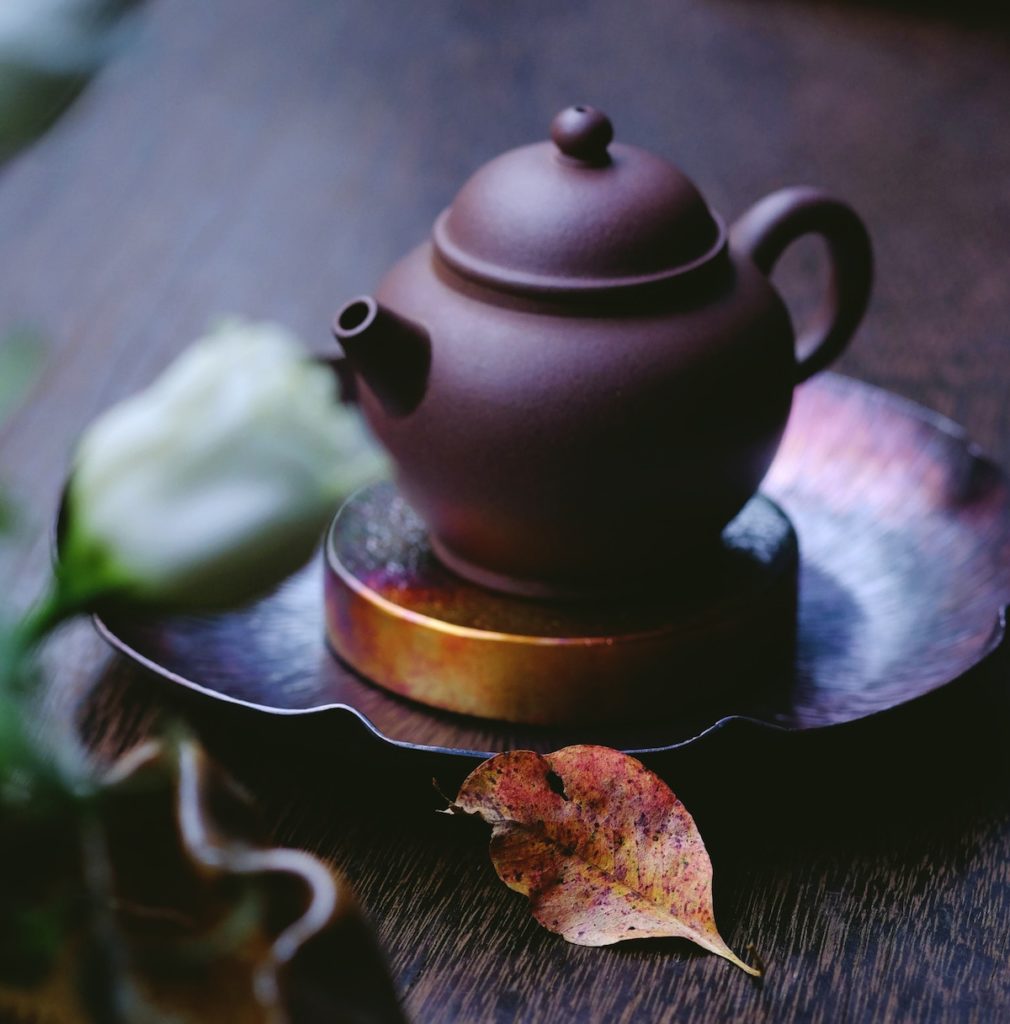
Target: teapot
[583, 376]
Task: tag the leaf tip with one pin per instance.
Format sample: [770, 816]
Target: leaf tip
[758, 970]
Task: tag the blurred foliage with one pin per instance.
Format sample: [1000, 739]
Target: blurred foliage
[49, 49]
[64, 951]
[30, 101]
[21, 358]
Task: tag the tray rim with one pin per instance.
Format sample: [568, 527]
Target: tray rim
[993, 645]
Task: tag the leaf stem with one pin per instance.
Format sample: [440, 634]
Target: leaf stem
[42, 618]
[41, 756]
[60, 601]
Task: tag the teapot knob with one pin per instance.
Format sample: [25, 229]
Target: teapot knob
[583, 133]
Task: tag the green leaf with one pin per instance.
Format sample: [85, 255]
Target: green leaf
[9, 514]
[21, 358]
[31, 99]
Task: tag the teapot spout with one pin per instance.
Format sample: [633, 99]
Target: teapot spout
[391, 354]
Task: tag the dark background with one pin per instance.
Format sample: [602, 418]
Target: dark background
[272, 159]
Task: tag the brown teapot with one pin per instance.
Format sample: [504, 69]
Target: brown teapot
[583, 376]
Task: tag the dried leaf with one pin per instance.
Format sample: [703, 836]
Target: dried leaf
[599, 844]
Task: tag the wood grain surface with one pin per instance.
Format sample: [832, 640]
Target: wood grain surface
[273, 158]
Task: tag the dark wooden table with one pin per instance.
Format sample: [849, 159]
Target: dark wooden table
[273, 158]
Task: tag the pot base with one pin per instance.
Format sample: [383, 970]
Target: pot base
[401, 619]
[703, 552]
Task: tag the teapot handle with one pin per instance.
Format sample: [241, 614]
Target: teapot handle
[772, 224]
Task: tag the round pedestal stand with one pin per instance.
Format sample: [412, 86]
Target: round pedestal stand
[398, 617]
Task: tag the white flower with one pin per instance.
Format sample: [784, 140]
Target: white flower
[216, 482]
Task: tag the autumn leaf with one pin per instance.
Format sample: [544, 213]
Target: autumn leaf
[599, 844]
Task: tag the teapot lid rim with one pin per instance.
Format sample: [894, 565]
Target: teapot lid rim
[517, 281]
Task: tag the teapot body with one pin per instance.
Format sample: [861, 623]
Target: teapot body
[582, 376]
[557, 453]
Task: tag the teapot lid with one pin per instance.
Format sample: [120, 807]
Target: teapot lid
[579, 214]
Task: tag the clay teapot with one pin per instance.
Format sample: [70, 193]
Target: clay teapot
[582, 376]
